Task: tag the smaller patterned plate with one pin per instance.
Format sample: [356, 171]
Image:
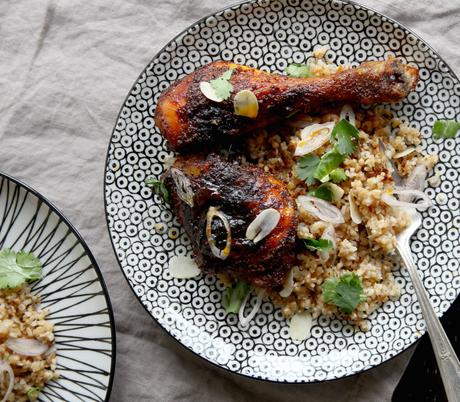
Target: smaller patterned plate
[72, 289]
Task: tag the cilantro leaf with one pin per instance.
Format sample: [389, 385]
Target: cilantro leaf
[345, 134]
[33, 391]
[158, 187]
[338, 175]
[345, 292]
[298, 70]
[306, 167]
[324, 192]
[445, 129]
[233, 296]
[17, 268]
[328, 162]
[318, 244]
[222, 86]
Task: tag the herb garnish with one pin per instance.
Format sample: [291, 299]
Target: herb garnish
[296, 70]
[17, 268]
[445, 129]
[338, 175]
[158, 187]
[318, 244]
[233, 296]
[324, 192]
[346, 135]
[345, 292]
[222, 86]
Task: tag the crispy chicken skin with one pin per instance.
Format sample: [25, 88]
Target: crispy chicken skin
[187, 119]
[241, 193]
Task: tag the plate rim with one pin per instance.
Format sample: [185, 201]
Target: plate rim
[89, 254]
[106, 167]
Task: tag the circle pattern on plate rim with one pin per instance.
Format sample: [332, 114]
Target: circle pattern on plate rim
[269, 35]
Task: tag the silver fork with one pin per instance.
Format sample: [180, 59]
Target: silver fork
[449, 366]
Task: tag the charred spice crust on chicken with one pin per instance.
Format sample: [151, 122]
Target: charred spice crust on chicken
[188, 120]
[240, 193]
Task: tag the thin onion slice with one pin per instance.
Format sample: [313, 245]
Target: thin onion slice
[328, 234]
[214, 212]
[288, 284]
[348, 114]
[263, 224]
[354, 212]
[321, 209]
[404, 153]
[300, 326]
[245, 320]
[183, 267]
[313, 137]
[6, 368]
[393, 202]
[26, 346]
[183, 185]
[415, 181]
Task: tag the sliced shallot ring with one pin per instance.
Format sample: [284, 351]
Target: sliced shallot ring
[263, 224]
[393, 202]
[354, 212]
[300, 326]
[5, 367]
[288, 284]
[26, 346]
[348, 114]
[245, 320]
[222, 254]
[321, 209]
[183, 185]
[313, 137]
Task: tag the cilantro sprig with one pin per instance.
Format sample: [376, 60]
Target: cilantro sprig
[445, 129]
[345, 292]
[18, 268]
[318, 244]
[298, 70]
[338, 175]
[345, 135]
[233, 296]
[222, 86]
[158, 187]
[311, 168]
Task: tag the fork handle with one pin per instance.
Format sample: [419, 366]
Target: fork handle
[449, 366]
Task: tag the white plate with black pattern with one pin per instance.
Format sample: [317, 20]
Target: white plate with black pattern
[72, 289]
[270, 35]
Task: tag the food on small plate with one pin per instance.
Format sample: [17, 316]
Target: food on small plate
[27, 355]
[241, 221]
[303, 209]
[222, 100]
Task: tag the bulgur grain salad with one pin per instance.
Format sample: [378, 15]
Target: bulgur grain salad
[27, 356]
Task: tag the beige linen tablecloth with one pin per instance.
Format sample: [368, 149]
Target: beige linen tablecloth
[65, 69]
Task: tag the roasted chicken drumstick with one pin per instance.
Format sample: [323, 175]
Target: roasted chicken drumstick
[216, 200]
[188, 119]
